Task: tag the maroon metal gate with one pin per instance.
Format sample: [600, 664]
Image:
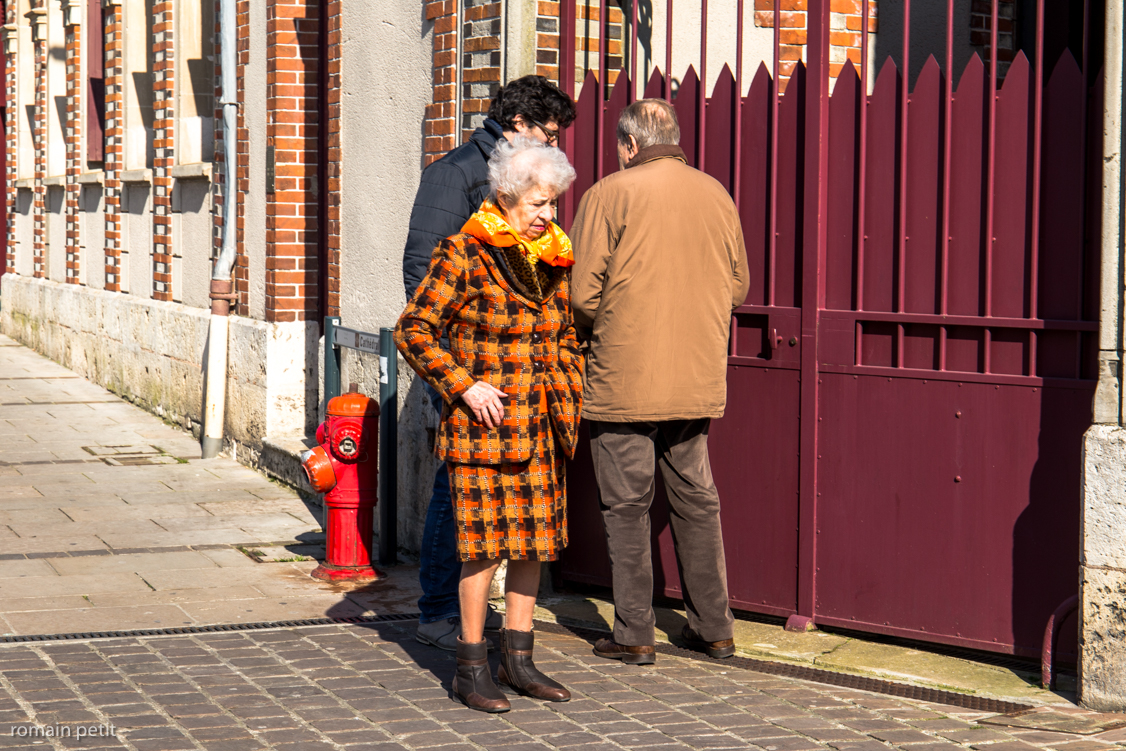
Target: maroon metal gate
[913, 370]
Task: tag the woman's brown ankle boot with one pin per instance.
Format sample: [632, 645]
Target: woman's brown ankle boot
[473, 681]
[518, 670]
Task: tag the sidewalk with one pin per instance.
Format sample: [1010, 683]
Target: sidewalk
[109, 520]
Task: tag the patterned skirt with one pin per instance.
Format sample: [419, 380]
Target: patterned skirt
[514, 511]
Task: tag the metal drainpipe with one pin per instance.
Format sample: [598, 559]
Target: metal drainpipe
[222, 294]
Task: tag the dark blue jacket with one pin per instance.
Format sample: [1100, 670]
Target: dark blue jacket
[452, 188]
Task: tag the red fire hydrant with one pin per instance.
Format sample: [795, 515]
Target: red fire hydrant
[345, 468]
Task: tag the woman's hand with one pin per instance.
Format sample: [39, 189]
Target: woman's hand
[485, 401]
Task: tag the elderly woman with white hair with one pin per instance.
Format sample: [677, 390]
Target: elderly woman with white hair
[511, 379]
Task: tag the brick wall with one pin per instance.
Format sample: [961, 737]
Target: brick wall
[114, 143]
[480, 61]
[75, 158]
[981, 16]
[333, 122]
[241, 272]
[11, 130]
[845, 22]
[441, 113]
[39, 135]
[294, 230]
[164, 144]
[547, 39]
[292, 129]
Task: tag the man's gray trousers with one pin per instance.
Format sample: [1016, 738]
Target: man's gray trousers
[624, 455]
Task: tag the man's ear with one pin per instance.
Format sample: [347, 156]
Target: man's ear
[633, 144]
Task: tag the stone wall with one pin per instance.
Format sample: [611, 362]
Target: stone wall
[1103, 570]
[151, 352]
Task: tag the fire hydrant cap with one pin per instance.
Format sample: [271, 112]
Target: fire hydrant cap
[352, 405]
[318, 469]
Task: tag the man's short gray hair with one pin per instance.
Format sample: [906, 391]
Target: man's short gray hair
[650, 122]
[523, 164]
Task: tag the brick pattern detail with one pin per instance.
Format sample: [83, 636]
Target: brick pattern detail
[981, 16]
[846, 20]
[292, 234]
[441, 112]
[74, 156]
[334, 55]
[589, 25]
[480, 61]
[547, 40]
[114, 143]
[11, 131]
[242, 183]
[39, 137]
[164, 126]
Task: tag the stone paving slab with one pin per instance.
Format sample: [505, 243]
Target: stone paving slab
[373, 687]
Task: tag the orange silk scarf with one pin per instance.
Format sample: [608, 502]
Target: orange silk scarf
[488, 225]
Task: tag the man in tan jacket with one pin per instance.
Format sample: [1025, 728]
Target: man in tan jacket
[660, 266]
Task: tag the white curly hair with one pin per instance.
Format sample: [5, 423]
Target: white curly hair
[524, 163]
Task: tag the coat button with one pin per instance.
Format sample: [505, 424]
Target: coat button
[536, 337]
[537, 366]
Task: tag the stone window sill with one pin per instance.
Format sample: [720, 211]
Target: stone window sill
[196, 171]
[58, 181]
[92, 178]
[136, 176]
[25, 183]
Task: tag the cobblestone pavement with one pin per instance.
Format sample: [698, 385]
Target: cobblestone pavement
[373, 687]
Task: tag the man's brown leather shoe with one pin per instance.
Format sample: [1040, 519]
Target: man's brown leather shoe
[717, 649]
[611, 650]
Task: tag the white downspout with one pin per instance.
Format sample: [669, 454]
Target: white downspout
[222, 294]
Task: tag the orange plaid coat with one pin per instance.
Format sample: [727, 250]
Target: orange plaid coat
[525, 347]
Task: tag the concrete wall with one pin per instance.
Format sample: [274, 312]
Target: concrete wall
[386, 85]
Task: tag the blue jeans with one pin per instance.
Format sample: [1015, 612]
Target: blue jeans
[439, 568]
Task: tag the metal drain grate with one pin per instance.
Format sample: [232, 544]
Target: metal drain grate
[217, 628]
[133, 455]
[816, 675]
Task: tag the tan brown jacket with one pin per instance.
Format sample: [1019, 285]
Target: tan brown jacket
[660, 265]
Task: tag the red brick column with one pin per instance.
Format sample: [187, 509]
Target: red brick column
[11, 137]
[39, 136]
[547, 40]
[334, 55]
[292, 122]
[241, 271]
[114, 142]
[480, 61]
[75, 89]
[441, 114]
[164, 143]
